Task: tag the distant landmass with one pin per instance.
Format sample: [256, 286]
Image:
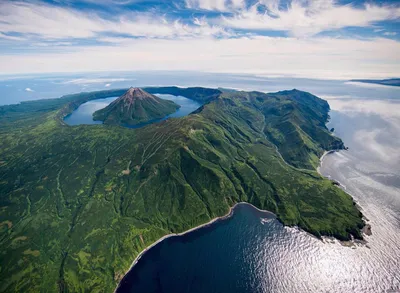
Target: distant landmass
[391, 82]
[79, 203]
[134, 107]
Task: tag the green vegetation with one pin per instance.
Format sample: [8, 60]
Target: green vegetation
[198, 94]
[135, 107]
[78, 203]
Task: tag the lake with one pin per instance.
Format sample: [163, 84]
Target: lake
[252, 252]
[84, 113]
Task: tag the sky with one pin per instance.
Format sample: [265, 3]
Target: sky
[332, 39]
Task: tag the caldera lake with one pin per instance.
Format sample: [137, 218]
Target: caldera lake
[84, 113]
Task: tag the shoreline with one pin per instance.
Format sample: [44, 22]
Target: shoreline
[224, 217]
[228, 215]
[322, 158]
[344, 188]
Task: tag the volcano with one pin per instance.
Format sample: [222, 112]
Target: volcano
[134, 107]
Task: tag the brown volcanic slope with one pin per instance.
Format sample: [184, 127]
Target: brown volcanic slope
[134, 107]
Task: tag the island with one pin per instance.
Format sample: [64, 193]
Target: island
[135, 107]
[389, 82]
[79, 203]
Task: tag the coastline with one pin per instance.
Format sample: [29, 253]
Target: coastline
[366, 230]
[322, 158]
[320, 162]
[230, 213]
[224, 217]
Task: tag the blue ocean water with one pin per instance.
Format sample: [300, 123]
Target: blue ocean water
[211, 259]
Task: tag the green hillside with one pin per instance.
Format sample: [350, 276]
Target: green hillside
[78, 203]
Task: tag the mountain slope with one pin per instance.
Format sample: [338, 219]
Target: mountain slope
[77, 204]
[134, 107]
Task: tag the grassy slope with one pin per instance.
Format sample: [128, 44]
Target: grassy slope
[79, 203]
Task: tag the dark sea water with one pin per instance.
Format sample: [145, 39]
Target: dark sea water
[251, 251]
[84, 113]
[200, 262]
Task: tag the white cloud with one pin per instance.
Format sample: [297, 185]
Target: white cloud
[107, 85]
[93, 80]
[216, 5]
[52, 22]
[49, 21]
[390, 33]
[308, 17]
[112, 2]
[322, 57]
[114, 40]
[155, 42]
[371, 141]
[51, 44]
[389, 110]
[381, 139]
[301, 18]
[29, 89]
[11, 38]
[367, 85]
[386, 109]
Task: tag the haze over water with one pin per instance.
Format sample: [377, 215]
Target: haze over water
[247, 254]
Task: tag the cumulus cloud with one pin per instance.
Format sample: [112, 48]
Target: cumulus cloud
[29, 89]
